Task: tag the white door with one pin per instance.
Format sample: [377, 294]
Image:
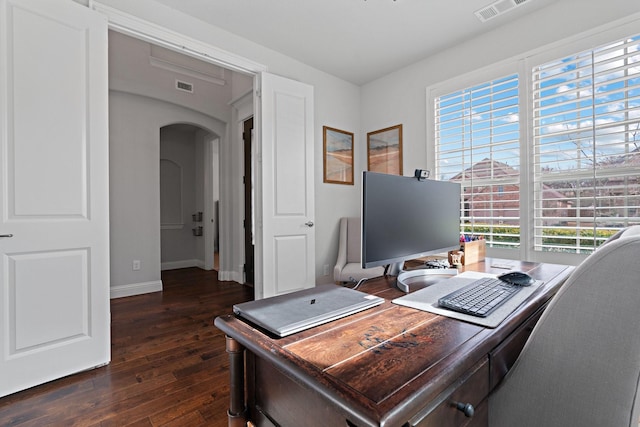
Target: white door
[54, 211]
[286, 153]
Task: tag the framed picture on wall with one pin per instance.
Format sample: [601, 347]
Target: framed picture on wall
[384, 150]
[338, 156]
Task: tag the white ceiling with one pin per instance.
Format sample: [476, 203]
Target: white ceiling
[356, 40]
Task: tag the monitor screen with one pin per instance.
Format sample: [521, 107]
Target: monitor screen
[405, 218]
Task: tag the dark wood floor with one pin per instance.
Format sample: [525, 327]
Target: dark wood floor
[168, 364]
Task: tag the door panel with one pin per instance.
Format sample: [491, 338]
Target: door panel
[289, 154]
[63, 193]
[249, 249]
[287, 249]
[65, 298]
[287, 185]
[54, 269]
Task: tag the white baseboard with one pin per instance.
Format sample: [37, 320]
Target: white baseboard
[185, 263]
[135, 289]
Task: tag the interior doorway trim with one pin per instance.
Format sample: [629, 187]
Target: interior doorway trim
[152, 33]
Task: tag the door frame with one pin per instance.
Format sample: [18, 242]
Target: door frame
[211, 222]
[144, 30]
[249, 210]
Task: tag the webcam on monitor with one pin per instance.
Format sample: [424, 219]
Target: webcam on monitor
[421, 174]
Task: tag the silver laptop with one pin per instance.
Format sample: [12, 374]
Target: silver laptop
[287, 314]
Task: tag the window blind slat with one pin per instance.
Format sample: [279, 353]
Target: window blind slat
[587, 146]
[585, 115]
[478, 144]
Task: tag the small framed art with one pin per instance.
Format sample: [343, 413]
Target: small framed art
[338, 156]
[384, 150]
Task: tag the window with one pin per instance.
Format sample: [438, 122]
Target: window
[478, 145]
[577, 119]
[586, 123]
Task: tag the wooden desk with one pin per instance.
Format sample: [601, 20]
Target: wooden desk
[386, 366]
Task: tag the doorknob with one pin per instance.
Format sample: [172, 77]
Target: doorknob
[309, 223]
[6, 235]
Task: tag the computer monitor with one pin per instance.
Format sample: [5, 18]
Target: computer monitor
[405, 218]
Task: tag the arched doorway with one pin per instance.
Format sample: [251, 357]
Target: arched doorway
[189, 196]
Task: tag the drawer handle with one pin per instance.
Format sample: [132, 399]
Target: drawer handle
[466, 408]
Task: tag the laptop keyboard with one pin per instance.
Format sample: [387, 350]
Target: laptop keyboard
[481, 297]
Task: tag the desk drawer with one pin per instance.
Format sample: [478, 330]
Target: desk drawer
[472, 387]
[280, 401]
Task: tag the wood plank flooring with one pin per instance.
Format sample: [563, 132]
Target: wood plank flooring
[168, 364]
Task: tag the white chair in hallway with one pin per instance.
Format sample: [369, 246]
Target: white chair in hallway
[348, 267]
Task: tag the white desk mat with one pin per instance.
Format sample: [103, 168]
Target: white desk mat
[427, 299]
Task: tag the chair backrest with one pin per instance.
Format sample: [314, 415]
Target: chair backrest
[353, 239]
[581, 364]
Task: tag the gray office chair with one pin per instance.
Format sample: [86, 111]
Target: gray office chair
[581, 364]
[348, 267]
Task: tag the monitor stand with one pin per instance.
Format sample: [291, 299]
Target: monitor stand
[422, 277]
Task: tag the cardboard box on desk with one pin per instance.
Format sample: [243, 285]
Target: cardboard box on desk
[470, 253]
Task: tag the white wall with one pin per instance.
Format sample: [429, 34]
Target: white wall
[396, 98]
[134, 153]
[130, 71]
[400, 97]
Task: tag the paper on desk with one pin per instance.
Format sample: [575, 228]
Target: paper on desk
[426, 299]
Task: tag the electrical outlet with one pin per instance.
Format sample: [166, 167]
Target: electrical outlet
[136, 264]
[325, 270]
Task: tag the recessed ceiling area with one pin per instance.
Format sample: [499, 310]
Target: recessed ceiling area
[357, 40]
[138, 67]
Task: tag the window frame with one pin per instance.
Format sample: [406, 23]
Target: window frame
[523, 65]
[592, 66]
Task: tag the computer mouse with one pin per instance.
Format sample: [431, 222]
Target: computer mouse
[517, 278]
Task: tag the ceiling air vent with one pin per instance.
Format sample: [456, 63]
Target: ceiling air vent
[497, 8]
[184, 86]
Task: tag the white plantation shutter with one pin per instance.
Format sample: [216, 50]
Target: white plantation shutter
[477, 143]
[586, 136]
